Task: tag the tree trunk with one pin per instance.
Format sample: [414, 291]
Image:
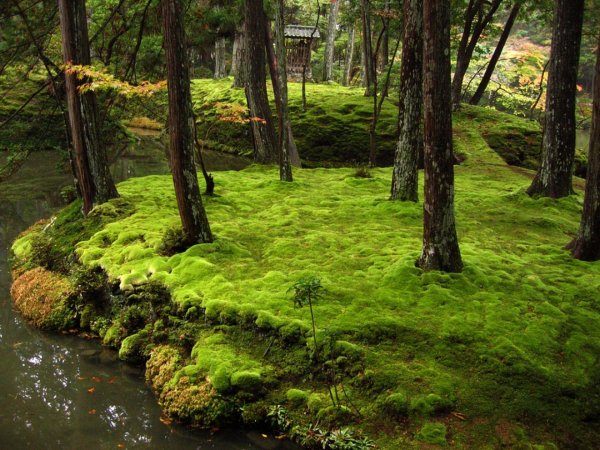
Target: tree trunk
[440, 243]
[554, 177]
[181, 127]
[471, 34]
[487, 76]
[330, 42]
[263, 130]
[384, 50]
[285, 168]
[405, 174]
[94, 178]
[349, 55]
[220, 43]
[294, 157]
[587, 244]
[367, 49]
[239, 68]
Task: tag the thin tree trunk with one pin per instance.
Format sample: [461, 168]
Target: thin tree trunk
[334, 6]
[554, 177]
[263, 130]
[285, 168]
[349, 55]
[405, 174]
[94, 178]
[181, 127]
[384, 51]
[220, 57]
[238, 66]
[471, 34]
[587, 244]
[487, 76]
[367, 49]
[276, 83]
[234, 61]
[440, 243]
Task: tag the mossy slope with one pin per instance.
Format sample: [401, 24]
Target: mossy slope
[512, 343]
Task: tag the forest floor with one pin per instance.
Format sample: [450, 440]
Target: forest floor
[502, 355]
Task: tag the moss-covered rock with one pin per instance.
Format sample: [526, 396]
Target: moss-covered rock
[45, 299]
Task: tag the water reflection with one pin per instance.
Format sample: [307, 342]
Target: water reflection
[63, 392]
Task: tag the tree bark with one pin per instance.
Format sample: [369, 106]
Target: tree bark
[367, 49]
[405, 174]
[181, 127]
[220, 43]
[554, 177]
[275, 82]
[471, 34]
[238, 65]
[94, 178]
[349, 55]
[440, 243]
[285, 168]
[261, 121]
[487, 76]
[334, 6]
[384, 50]
[587, 244]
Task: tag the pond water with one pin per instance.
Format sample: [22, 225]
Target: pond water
[64, 392]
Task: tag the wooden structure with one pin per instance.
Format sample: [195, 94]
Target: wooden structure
[299, 41]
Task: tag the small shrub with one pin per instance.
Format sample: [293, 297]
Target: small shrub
[363, 172]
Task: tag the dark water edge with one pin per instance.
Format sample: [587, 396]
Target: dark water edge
[65, 392]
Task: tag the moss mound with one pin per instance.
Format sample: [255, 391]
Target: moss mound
[43, 297]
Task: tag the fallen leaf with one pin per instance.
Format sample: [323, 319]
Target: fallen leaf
[119, 445]
[92, 411]
[166, 420]
[91, 390]
[111, 380]
[458, 415]
[81, 378]
[280, 437]
[96, 379]
[264, 435]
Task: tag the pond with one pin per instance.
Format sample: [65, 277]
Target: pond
[65, 392]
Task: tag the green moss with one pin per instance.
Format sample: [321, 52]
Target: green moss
[432, 433]
[297, 397]
[246, 380]
[134, 348]
[396, 404]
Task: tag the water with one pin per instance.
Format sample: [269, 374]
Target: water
[65, 392]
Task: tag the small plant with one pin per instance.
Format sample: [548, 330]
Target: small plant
[307, 290]
[278, 416]
[363, 172]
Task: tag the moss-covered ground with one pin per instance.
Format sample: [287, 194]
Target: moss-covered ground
[503, 355]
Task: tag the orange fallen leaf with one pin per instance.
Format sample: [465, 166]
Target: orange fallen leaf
[111, 380]
[119, 445]
[81, 378]
[166, 420]
[91, 390]
[458, 415]
[92, 411]
[96, 379]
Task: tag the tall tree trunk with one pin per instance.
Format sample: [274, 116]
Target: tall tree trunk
[94, 178]
[181, 127]
[263, 130]
[440, 243]
[554, 177]
[405, 174]
[587, 244]
[334, 6]
[487, 76]
[220, 43]
[471, 34]
[349, 55]
[285, 168]
[384, 50]
[274, 69]
[239, 68]
[367, 49]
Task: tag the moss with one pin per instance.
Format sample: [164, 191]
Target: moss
[44, 299]
[334, 415]
[246, 380]
[297, 397]
[432, 433]
[114, 335]
[316, 402]
[396, 404]
[134, 348]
